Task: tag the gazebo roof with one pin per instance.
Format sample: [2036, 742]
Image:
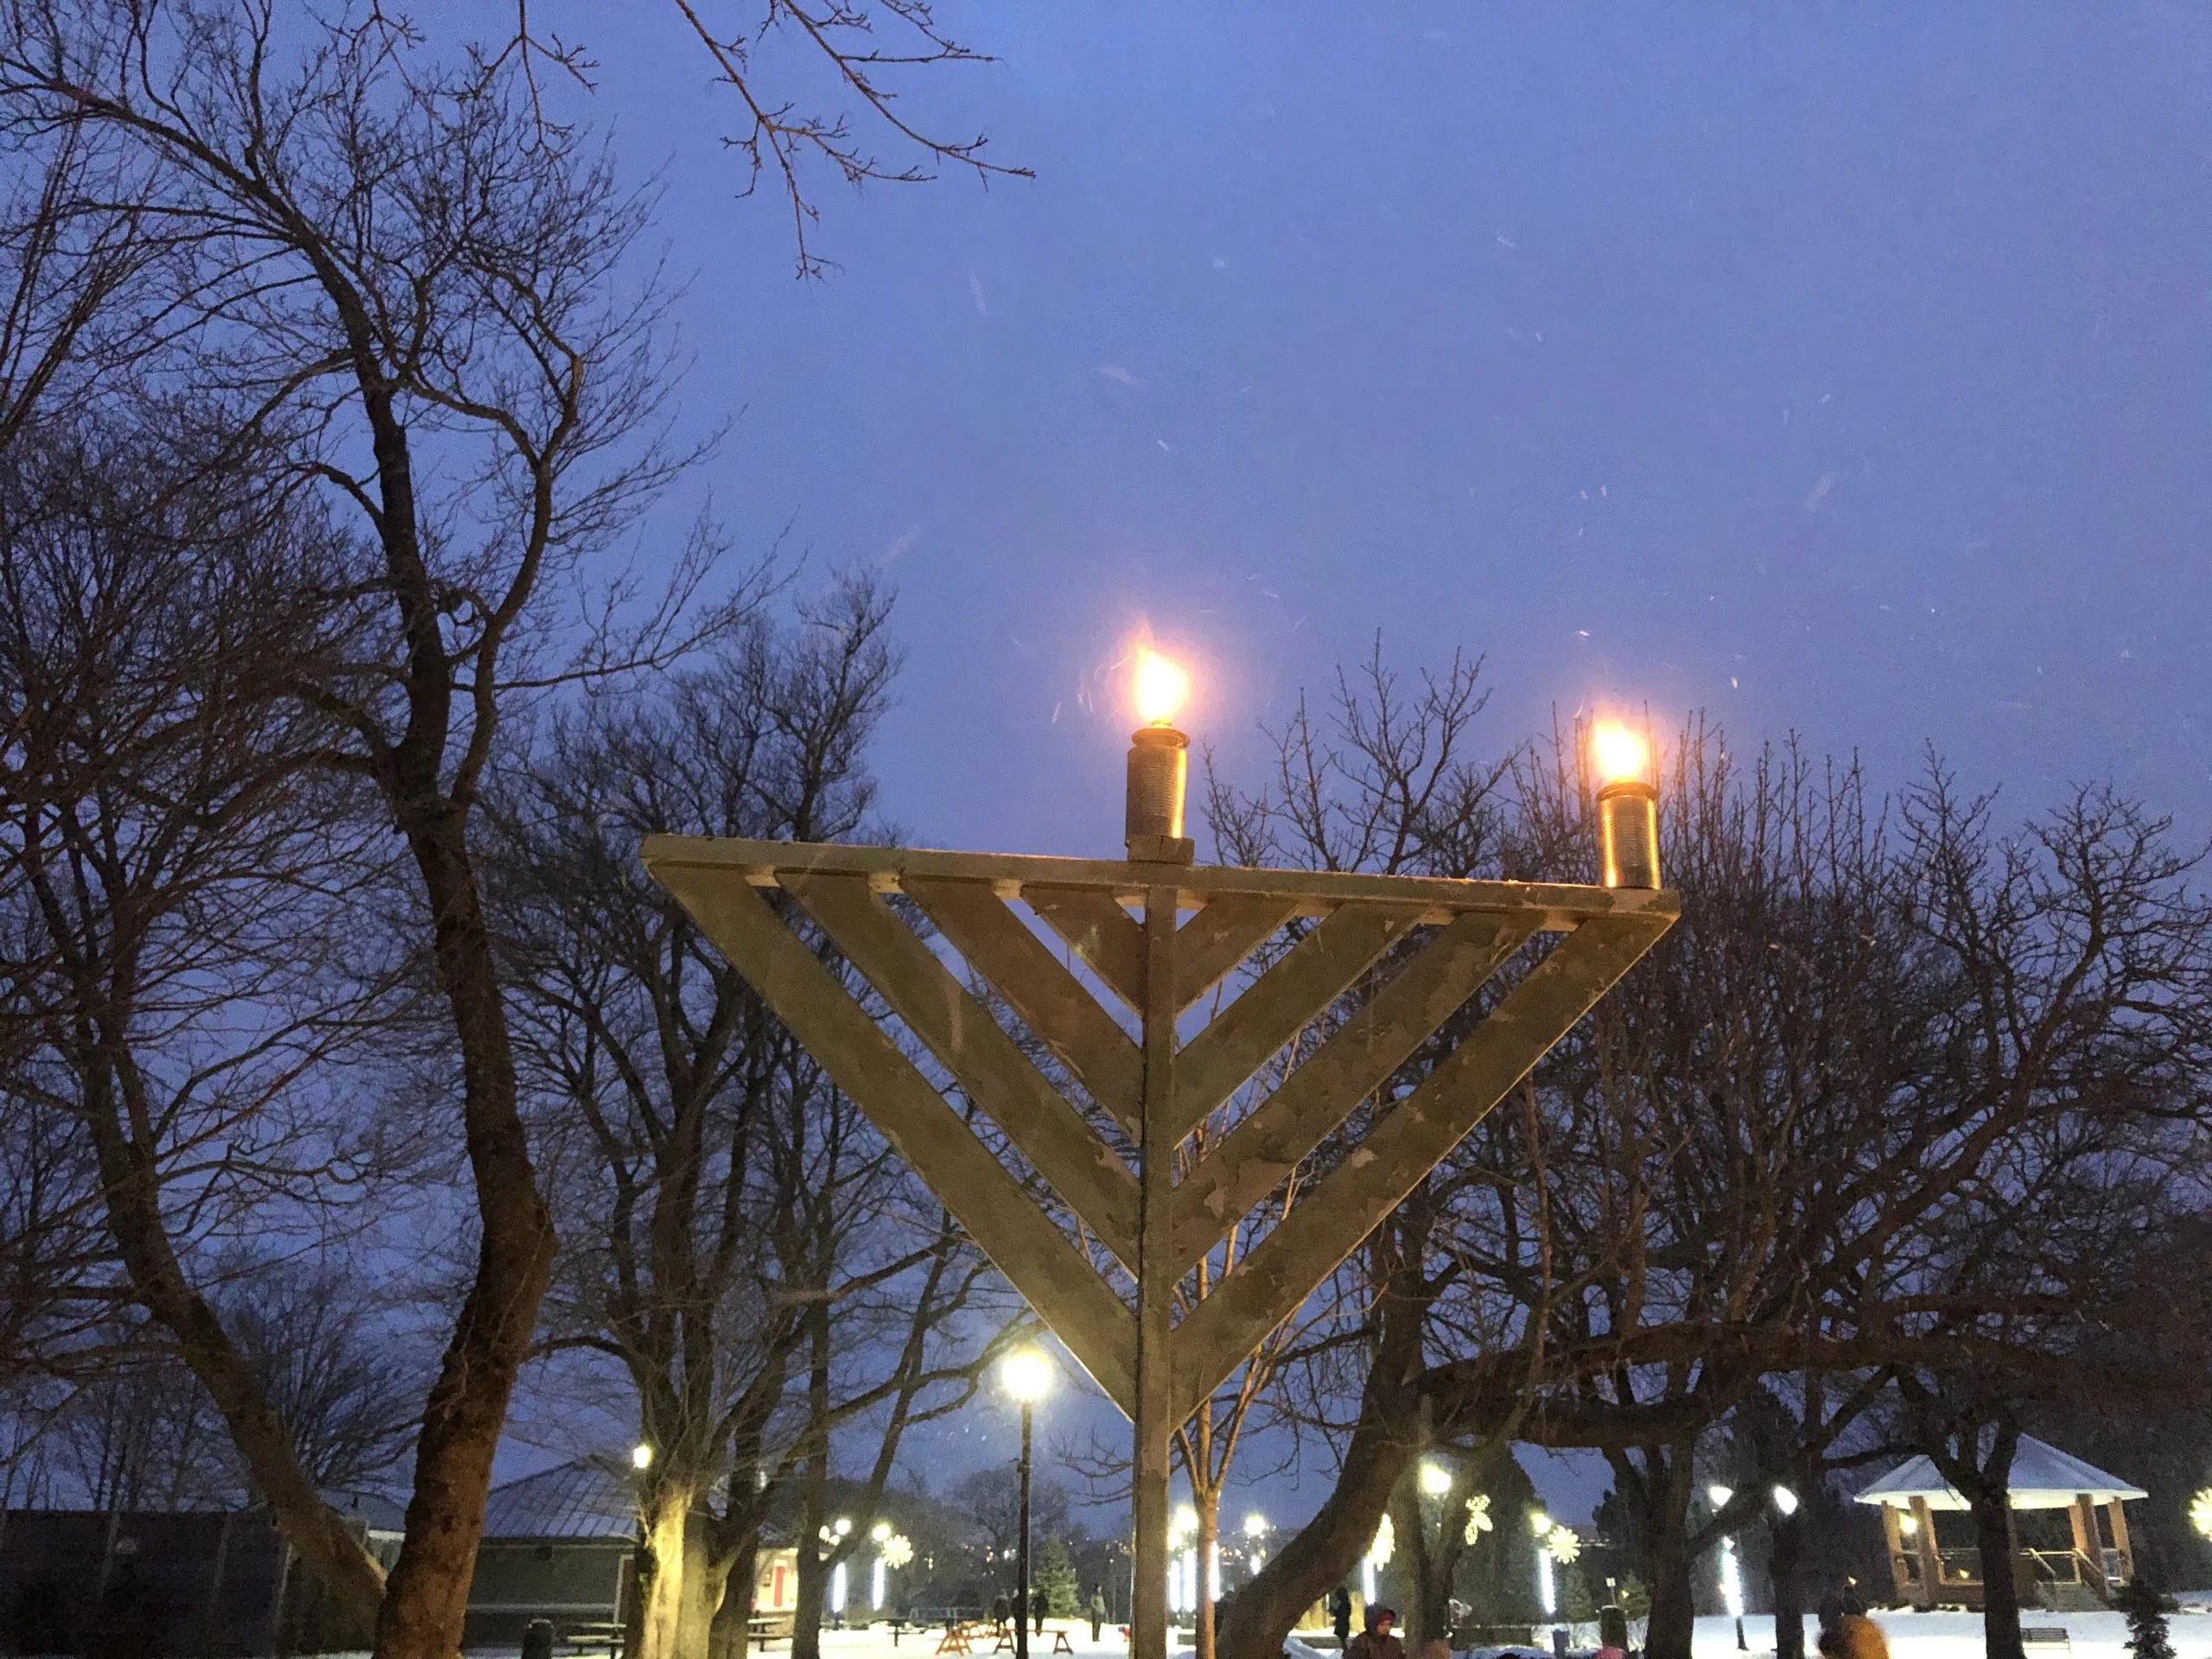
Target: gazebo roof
[2043, 1477]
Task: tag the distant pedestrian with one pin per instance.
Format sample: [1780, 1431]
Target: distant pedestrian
[1097, 1610]
[1340, 1615]
[998, 1614]
[1038, 1601]
[1379, 1640]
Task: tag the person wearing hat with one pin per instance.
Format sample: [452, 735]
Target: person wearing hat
[1378, 1640]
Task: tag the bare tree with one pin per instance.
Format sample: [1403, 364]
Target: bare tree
[1738, 1167]
[167, 857]
[406, 283]
[740, 1243]
[855, 49]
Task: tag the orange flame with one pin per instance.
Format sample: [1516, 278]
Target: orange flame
[1159, 687]
[1620, 753]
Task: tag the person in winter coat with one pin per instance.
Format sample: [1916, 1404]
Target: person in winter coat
[1379, 1640]
[1097, 1609]
[1340, 1615]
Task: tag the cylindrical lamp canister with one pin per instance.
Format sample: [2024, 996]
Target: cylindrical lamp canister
[1628, 833]
[1160, 770]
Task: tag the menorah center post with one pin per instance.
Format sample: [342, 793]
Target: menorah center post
[1155, 1281]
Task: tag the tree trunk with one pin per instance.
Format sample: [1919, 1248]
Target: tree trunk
[1786, 1583]
[1209, 1508]
[730, 1635]
[426, 1599]
[663, 1562]
[2000, 1597]
[1325, 1552]
[1425, 1613]
[1674, 1609]
[338, 1559]
[705, 1578]
[813, 1571]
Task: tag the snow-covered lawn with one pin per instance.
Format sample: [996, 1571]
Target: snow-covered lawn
[1912, 1636]
[1958, 1635]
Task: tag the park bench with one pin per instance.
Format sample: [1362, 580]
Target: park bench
[2046, 1635]
[594, 1639]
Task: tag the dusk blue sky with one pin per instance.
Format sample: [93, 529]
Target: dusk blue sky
[1833, 370]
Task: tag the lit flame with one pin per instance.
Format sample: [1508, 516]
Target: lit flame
[1620, 754]
[1159, 687]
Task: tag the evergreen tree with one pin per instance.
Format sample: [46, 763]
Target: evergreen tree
[1575, 1605]
[2146, 1621]
[1056, 1578]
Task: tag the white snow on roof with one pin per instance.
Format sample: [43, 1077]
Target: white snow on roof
[2043, 1477]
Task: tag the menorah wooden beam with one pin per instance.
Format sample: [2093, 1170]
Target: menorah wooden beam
[1155, 939]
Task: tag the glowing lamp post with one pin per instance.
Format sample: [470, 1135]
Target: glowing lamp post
[1546, 1584]
[641, 1457]
[1435, 1479]
[1438, 942]
[1732, 1571]
[1025, 1374]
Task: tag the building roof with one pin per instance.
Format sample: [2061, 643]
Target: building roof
[373, 1509]
[587, 1497]
[583, 1499]
[2043, 1477]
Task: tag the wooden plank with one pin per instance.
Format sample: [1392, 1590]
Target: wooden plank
[1275, 1009]
[1051, 1002]
[985, 1061]
[1259, 1153]
[1154, 1422]
[1099, 931]
[1315, 892]
[1416, 1134]
[1050, 1273]
[1208, 946]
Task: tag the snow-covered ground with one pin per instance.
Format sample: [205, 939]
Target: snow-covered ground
[1958, 1635]
[1912, 1636]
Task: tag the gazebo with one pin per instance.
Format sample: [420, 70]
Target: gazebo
[1933, 1559]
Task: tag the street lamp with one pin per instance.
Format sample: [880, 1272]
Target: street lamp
[1025, 1375]
[1435, 1479]
[641, 1457]
[1731, 1572]
[1547, 1584]
[1255, 1529]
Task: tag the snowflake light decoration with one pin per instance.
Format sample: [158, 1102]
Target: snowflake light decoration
[1479, 1521]
[897, 1550]
[1563, 1544]
[2200, 1512]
